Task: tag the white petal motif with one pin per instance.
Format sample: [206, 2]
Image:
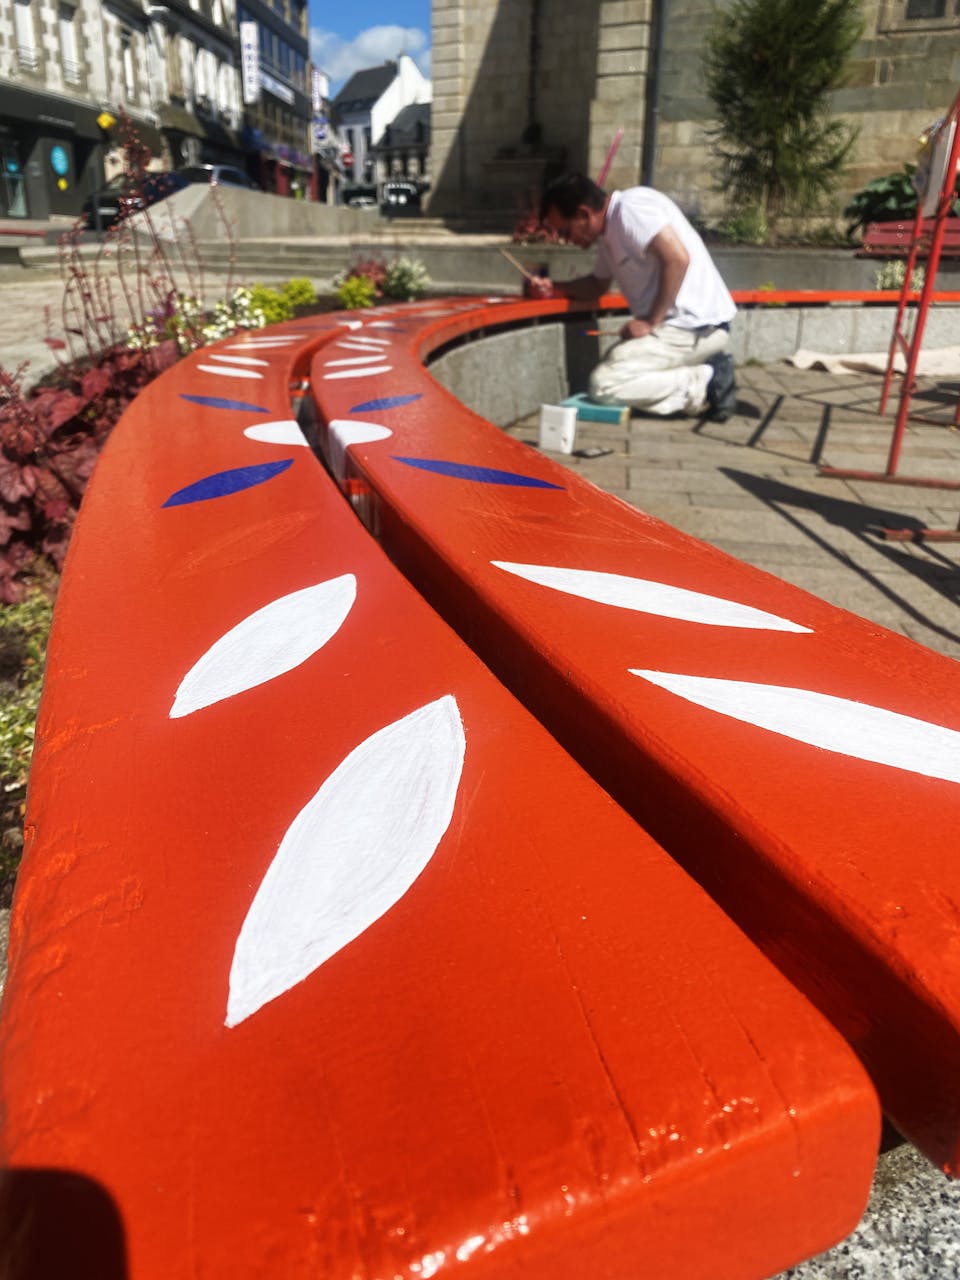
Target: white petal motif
[229, 373]
[823, 720]
[342, 433]
[646, 596]
[284, 432]
[358, 373]
[267, 644]
[354, 360]
[350, 854]
[241, 360]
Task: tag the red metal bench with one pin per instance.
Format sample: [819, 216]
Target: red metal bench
[893, 239]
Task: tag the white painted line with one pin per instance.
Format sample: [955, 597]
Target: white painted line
[645, 596]
[823, 720]
[229, 373]
[359, 373]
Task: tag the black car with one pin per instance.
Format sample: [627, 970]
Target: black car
[122, 197]
[227, 175]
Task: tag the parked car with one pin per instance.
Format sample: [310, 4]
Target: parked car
[226, 175]
[400, 198]
[122, 197]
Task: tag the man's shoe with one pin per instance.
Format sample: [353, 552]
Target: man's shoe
[722, 388]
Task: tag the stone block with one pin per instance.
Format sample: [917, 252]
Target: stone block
[827, 329]
[635, 36]
[625, 63]
[620, 12]
[770, 334]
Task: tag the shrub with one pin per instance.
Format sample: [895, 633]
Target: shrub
[49, 442]
[406, 278]
[770, 66]
[275, 306]
[372, 269]
[892, 198]
[892, 275]
[355, 292]
[24, 629]
[299, 292]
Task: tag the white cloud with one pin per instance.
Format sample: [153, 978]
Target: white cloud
[340, 58]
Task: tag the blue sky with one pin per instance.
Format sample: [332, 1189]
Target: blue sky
[363, 33]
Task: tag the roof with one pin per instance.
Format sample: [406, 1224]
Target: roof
[410, 127]
[365, 87]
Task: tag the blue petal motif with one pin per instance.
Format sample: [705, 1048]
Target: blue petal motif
[223, 483]
[389, 402]
[481, 475]
[215, 402]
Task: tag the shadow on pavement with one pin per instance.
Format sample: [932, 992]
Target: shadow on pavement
[936, 571]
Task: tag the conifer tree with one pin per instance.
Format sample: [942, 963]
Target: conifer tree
[770, 66]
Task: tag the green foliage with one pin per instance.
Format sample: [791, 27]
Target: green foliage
[770, 66]
[748, 226]
[892, 275]
[892, 198]
[406, 279]
[356, 292]
[299, 292]
[24, 628]
[275, 306]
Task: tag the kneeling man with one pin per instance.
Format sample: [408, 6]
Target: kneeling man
[672, 356]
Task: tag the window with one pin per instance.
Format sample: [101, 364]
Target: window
[920, 15]
[28, 55]
[68, 44]
[126, 54]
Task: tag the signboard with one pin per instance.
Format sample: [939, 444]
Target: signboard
[250, 62]
[320, 85]
[319, 132]
[279, 90]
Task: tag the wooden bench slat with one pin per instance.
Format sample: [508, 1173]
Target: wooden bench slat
[552, 1053]
[840, 863]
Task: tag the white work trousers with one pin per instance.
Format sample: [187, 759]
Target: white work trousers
[665, 372]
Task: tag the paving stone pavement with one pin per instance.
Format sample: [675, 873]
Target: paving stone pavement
[751, 487]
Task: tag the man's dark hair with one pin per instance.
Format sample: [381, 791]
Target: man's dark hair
[568, 193]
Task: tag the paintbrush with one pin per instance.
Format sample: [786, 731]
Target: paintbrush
[529, 275]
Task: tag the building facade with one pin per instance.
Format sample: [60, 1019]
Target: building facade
[71, 69]
[366, 106]
[277, 94]
[523, 88]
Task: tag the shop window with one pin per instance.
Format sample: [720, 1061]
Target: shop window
[28, 53]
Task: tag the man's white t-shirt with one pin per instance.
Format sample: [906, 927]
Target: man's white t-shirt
[633, 219]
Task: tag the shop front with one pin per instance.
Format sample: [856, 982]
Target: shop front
[51, 154]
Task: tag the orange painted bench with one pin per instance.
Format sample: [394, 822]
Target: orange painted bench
[326, 959]
[802, 763]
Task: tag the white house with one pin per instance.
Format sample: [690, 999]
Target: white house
[370, 101]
